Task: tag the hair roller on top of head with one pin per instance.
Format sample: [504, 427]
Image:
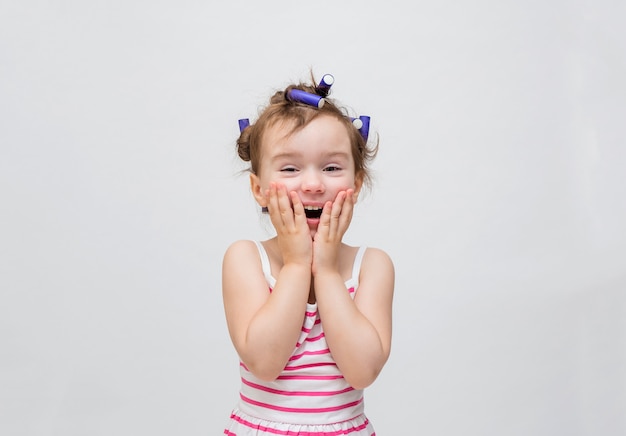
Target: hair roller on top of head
[299, 96]
[323, 88]
[316, 101]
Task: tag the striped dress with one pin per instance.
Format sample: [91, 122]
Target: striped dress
[310, 397]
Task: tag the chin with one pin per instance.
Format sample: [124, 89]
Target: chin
[313, 224]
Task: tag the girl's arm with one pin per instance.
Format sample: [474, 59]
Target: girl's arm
[358, 331]
[263, 326]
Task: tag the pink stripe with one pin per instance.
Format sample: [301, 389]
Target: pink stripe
[310, 313]
[300, 410]
[310, 377]
[309, 353]
[296, 393]
[311, 365]
[315, 338]
[351, 290]
[292, 433]
[296, 367]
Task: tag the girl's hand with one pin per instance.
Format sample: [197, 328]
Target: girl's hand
[334, 223]
[294, 236]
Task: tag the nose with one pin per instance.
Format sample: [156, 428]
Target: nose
[312, 182]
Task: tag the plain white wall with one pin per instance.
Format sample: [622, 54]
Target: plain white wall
[499, 193]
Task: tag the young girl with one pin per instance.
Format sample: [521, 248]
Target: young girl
[309, 316]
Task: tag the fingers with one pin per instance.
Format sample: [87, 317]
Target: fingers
[278, 206]
[336, 216]
[341, 214]
[285, 208]
[298, 209]
[347, 209]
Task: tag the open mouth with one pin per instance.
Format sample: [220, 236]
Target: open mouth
[313, 211]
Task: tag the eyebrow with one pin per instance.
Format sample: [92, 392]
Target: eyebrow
[290, 154]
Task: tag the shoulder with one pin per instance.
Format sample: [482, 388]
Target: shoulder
[242, 245]
[242, 269]
[375, 256]
[377, 267]
[376, 286]
[240, 252]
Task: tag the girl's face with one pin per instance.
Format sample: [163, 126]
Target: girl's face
[316, 162]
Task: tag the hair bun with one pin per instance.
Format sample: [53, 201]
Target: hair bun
[243, 145]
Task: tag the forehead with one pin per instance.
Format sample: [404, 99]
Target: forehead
[324, 134]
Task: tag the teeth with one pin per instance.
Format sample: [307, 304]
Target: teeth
[313, 211]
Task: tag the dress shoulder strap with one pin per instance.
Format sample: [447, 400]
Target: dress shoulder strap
[265, 263]
[356, 267]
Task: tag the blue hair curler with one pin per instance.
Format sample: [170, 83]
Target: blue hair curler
[365, 127]
[325, 84]
[243, 123]
[357, 123]
[307, 98]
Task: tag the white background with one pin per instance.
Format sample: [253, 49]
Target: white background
[500, 194]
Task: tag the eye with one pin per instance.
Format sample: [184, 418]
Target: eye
[288, 170]
[331, 168]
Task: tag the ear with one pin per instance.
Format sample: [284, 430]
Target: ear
[257, 190]
[358, 184]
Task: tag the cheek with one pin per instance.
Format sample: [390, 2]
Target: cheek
[290, 184]
[346, 183]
